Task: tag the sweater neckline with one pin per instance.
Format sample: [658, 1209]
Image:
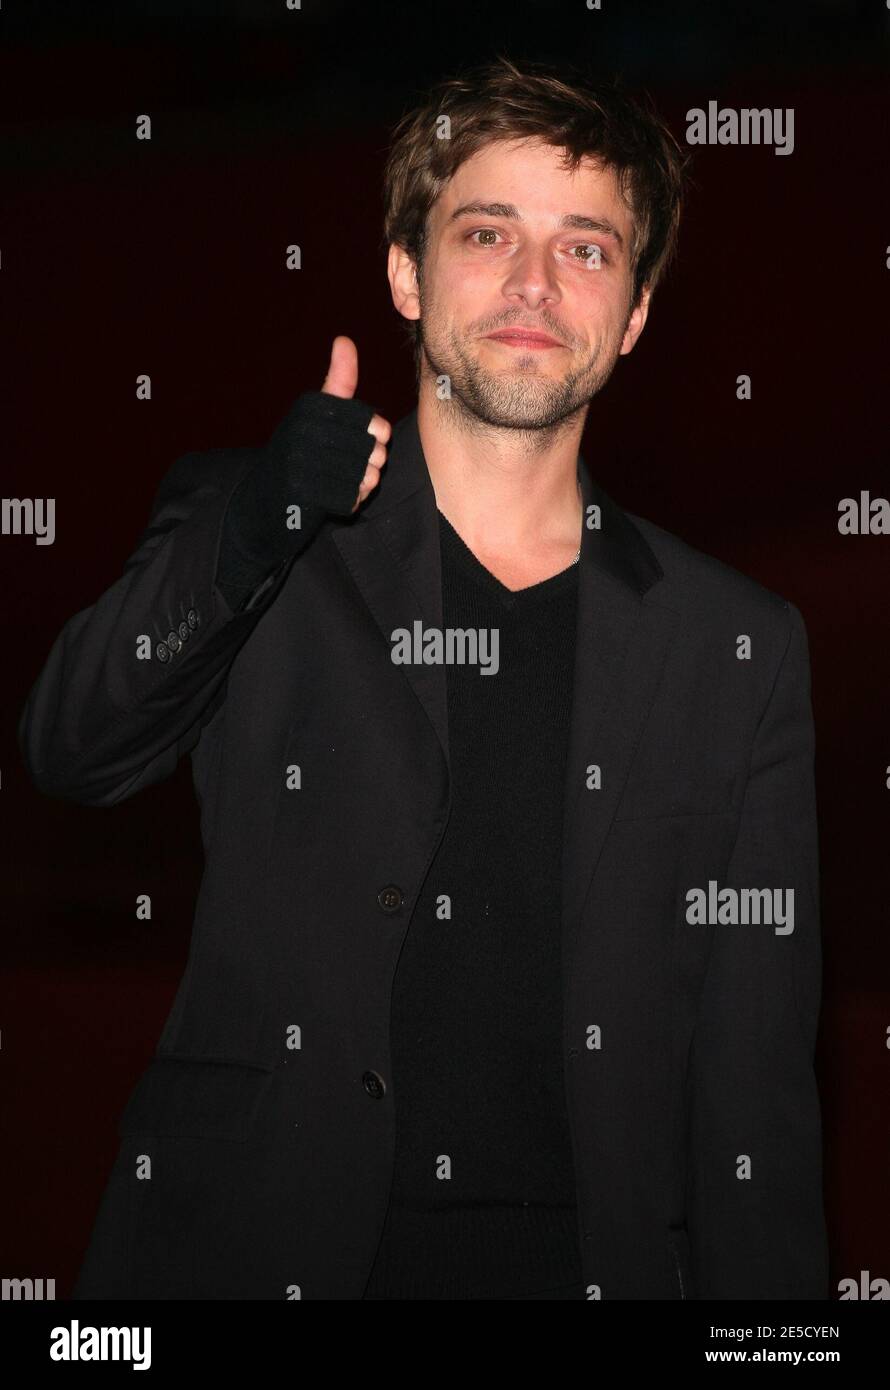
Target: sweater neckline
[461, 553]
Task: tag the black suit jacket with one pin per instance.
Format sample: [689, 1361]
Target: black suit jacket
[267, 1115]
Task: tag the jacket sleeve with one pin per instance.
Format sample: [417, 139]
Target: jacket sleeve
[755, 1209]
[129, 682]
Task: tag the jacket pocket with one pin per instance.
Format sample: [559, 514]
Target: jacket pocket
[678, 1239]
[196, 1097]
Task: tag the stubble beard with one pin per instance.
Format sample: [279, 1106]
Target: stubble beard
[519, 400]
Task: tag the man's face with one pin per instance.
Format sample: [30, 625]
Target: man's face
[511, 244]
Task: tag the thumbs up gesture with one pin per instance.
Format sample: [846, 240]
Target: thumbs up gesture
[324, 457]
[342, 380]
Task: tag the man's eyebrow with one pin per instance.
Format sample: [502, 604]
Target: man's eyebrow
[575, 220]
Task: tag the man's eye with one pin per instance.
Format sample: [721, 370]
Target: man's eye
[589, 252]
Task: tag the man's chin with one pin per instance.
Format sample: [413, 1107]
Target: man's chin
[515, 400]
[512, 396]
[519, 415]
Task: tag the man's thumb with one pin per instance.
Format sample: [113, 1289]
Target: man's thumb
[342, 377]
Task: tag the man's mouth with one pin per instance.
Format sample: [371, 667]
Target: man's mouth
[524, 338]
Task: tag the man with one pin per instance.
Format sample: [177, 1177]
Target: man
[505, 974]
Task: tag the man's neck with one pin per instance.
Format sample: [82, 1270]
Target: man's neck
[513, 496]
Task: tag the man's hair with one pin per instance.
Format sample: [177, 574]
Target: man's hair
[505, 100]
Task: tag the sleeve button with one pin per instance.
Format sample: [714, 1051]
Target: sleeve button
[389, 899]
[374, 1084]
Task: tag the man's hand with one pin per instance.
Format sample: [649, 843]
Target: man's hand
[342, 380]
[316, 459]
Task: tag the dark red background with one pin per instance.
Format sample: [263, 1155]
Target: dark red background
[121, 257]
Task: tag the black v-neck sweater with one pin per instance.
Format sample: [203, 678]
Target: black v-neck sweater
[483, 1200]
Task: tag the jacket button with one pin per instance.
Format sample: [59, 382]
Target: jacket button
[390, 898]
[192, 618]
[162, 651]
[173, 641]
[373, 1084]
[185, 631]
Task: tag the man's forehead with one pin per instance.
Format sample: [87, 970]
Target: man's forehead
[497, 173]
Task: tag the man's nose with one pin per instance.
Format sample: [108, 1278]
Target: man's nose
[532, 278]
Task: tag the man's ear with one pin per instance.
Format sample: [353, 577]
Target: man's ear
[402, 273]
[636, 322]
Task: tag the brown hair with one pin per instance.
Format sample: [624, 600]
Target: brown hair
[504, 100]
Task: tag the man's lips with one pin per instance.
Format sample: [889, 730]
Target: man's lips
[524, 337]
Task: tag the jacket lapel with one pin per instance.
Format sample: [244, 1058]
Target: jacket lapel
[621, 643]
[392, 552]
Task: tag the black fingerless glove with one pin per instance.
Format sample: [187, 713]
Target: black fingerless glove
[316, 459]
